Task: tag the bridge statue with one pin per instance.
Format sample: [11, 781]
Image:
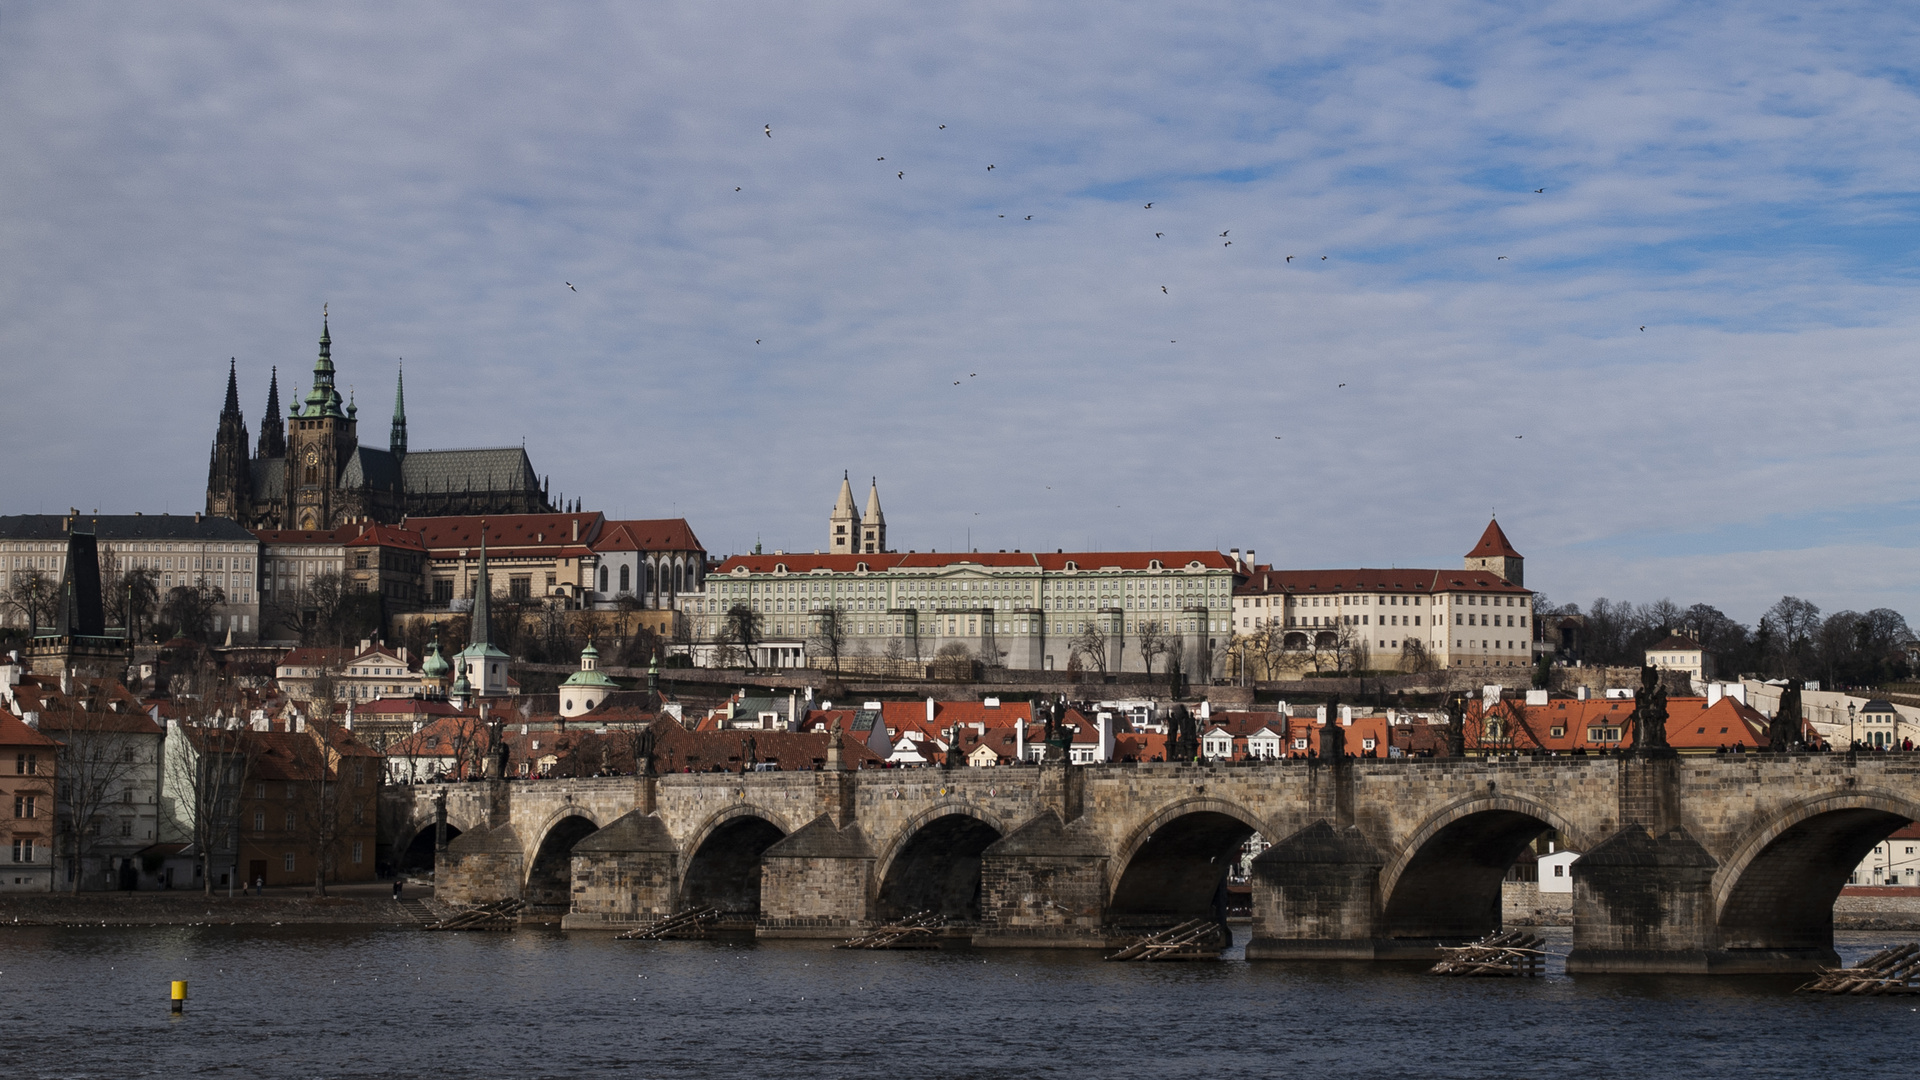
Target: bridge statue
[1333, 741]
[1786, 730]
[1650, 716]
[1457, 726]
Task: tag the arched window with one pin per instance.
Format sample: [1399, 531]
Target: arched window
[646, 576]
[603, 579]
[625, 583]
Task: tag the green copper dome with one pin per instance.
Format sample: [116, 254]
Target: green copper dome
[435, 666]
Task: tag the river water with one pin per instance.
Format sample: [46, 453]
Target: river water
[396, 1003]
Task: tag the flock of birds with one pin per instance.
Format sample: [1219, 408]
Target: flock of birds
[901, 174]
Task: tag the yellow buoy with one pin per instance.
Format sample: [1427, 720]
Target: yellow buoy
[179, 995]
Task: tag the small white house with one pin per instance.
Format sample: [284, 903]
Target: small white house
[1264, 744]
[1556, 871]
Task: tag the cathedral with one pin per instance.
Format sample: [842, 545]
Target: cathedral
[310, 470]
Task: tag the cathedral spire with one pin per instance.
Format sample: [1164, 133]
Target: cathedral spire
[842, 537]
[273, 430]
[324, 399]
[397, 441]
[232, 407]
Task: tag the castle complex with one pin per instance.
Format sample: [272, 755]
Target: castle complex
[310, 471]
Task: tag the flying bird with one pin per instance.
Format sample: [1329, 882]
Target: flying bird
[879, 159]
[956, 382]
[989, 168]
[736, 189]
[1539, 191]
[973, 375]
[1279, 436]
[1029, 217]
[1342, 384]
[1519, 436]
[1149, 206]
[1323, 258]
[1003, 215]
[943, 127]
[1227, 244]
[569, 286]
[1159, 234]
[1163, 288]
[903, 176]
[1225, 233]
[1499, 258]
[756, 341]
[1289, 258]
[769, 131]
[1643, 329]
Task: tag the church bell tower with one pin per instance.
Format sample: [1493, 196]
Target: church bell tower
[320, 440]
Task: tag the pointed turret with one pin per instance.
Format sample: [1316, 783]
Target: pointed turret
[324, 399]
[481, 665]
[232, 407]
[1495, 554]
[397, 439]
[229, 477]
[273, 430]
[843, 525]
[873, 526]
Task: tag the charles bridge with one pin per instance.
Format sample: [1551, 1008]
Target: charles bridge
[1723, 864]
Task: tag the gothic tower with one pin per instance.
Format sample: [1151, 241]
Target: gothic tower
[397, 437]
[273, 428]
[843, 526]
[873, 527]
[1495, 555]
[322, 439]
[229, 475]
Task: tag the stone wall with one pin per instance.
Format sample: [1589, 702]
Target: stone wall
[1523, 904]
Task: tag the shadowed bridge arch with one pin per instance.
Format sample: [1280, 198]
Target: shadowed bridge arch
[1778, 888]
[724, 870]
[935, 866]
[417, 856]
[549, 887]
[1174, 867]
[1445, 883]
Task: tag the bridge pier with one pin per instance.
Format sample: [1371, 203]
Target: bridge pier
[1316, 895]
[815, 882]
[1044, 885]
[624, 876]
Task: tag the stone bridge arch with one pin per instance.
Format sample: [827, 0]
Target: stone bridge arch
[721, 866]
[1444, 880]
[549, 885]
[1776, 889]
[1171, 866]
[933, 862]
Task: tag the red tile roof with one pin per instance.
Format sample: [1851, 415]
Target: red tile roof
[1406, 580]
[1493, 543]
[1056, 562]
[15, 732]
[507, 530]
[653, 534]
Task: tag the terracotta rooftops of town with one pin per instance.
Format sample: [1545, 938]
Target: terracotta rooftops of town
[506, 531]
[375, 535]
[1051, 562]
[1315, 582]
[1493, 543]
[15, 732]
[655, 534]
[1674, 643]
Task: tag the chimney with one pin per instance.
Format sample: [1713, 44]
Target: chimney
[576, 530]
[929, 710]
[1713, 694]
[1234, 553]
[66, 680]
[1582, 693]
[1346, 716]
[1020, 740]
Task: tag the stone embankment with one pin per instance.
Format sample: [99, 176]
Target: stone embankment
[1858, 908]
[194, 909]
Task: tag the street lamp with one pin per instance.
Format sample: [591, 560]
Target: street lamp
[1852, 741]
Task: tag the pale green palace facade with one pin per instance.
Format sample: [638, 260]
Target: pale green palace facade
[1027, 609]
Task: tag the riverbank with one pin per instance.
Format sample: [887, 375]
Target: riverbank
[348, 906]
[1859, 907]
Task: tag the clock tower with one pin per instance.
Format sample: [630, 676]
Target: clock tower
[320, 438]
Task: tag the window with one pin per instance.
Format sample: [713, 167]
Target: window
[23, 851]
[259, 791]
[25, 806]
[27, 764]
[1558, 870]
[357, 851]
[289, 821]
[259, 821]
[126, 827]
[286, 862]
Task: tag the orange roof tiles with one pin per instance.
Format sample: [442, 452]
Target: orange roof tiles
[654, 534]
[1493, 543]
[508, 530]
[1321, 582]
[1056, 562]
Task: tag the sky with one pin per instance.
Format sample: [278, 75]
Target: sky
[1638, 277]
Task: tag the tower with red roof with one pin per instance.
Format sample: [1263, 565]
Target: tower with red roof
[1494, 554]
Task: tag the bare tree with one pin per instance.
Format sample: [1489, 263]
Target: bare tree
[742, 629]
[1415, 657]
[30, 597]
[1091, 643]
[189, 610]
[334, 798]
[829, 636]
[132, 597]
[1152, 641]
[100, 757]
